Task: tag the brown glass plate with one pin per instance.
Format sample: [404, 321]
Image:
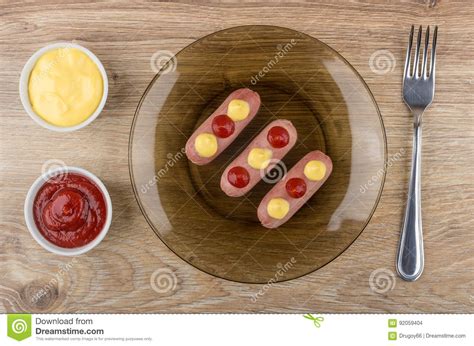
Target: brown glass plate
[298, 78]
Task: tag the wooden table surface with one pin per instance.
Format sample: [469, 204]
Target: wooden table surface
[117, 275]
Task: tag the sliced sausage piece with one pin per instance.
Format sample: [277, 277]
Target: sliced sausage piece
[295, 189]
[223, 126]
[260, 156]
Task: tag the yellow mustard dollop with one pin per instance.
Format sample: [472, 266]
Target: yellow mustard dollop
[277, 208]
[205, 144]
[65, 87]
[315, 170]
[259, 158]
[238, 110]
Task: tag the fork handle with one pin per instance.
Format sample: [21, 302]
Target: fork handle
[410, 261]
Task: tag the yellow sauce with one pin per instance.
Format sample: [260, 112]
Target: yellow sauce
[315, 170]
[65, 87]
[238, 110]
[277, 208]
[205, 144]
[259, 158]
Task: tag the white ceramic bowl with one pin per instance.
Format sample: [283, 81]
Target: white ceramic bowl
[25, 76]
[30, 222]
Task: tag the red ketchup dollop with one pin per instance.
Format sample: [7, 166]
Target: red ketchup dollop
[238, 177]
[69, 210]
[278, 137]
[296, 187]
[223, 126]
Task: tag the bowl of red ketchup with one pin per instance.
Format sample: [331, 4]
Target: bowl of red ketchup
[68, 211]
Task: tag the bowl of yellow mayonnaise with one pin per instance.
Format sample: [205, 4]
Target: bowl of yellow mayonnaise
[63, 87]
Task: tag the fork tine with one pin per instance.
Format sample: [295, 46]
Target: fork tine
[424, 73]
[433, 53]
[416, 61]
[407, 60]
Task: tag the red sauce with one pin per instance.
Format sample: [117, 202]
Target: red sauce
[238, 177]
[69, 210]
[296, 187]
[223, 126]
[278, 137]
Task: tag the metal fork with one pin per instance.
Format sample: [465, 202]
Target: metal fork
[418, 93]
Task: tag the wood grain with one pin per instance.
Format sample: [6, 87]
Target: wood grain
[115, 277]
